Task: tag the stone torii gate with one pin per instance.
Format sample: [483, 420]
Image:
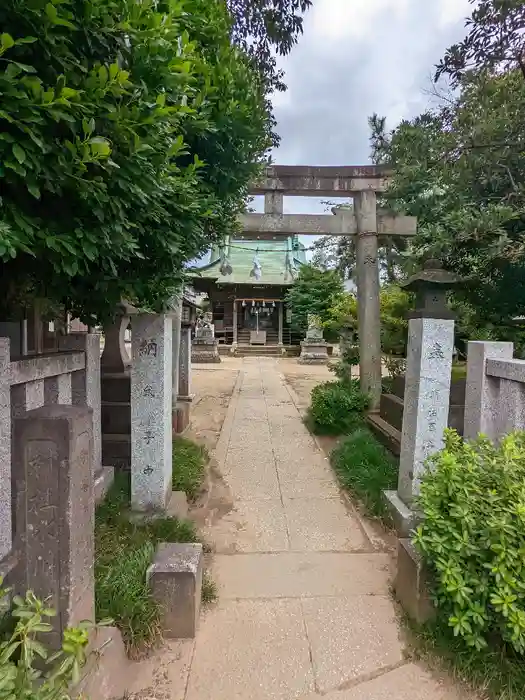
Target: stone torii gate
[362, 183]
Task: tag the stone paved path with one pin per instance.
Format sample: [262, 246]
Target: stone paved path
[304, 607]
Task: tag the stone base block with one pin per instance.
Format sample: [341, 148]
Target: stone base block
[205, 352]
[178, 505]
[106, 674]
[314, 353]
[175, 578]
[104, 478]
[405, 519]
[181, 417]
[410, 584]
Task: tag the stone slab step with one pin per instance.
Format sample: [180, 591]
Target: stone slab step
[385, 433]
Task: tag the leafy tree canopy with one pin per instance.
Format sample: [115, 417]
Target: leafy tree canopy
[313, 292]
[460, 169]
[129, 132]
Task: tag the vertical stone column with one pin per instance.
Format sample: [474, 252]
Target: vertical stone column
[185, 365]
[273, 203]
[368, 296]
[114, 356]
[280, 335]
[55, 511]
[151, 405]
[85, 385]
[481, 393]
[235, 330]
[6, 535]
[176, 316]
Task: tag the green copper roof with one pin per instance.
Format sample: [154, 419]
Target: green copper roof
[279, 260]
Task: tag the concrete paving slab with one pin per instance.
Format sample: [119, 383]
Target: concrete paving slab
[256, 482]
[301, 575]
[164, 674]
[253, 526]
[246, 460]
[408, 682]
[254, 650]
[321, 525]
[351, 637]
[298, 486]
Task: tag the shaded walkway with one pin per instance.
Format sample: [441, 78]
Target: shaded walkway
[304, 607]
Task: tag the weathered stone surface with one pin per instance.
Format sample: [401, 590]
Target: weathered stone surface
[410, 584]
[482, 392]
[405, 519]
[103, 480]
[5, 449]
[55, 510]
[426, 405]
[313, 352]
[108, 669]
[185, 355]
[205, 351]
[151, 409]
[175, 578]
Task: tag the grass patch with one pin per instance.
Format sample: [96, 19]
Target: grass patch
[498, 672]
[123, 551]
[365, 468]
[189, 462]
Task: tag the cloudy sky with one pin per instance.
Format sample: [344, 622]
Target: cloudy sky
[358, 57]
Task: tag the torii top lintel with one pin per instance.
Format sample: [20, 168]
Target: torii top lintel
[322, 181]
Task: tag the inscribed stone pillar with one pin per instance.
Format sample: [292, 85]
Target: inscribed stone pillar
[151, 406]
[85, 384]
[481, 393]
[185, 365]
[55, 511]
[427, 396]
[5, 450]
[280, 336]
[368, 296]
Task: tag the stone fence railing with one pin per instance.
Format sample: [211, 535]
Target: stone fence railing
[69, 377]
[495, 391]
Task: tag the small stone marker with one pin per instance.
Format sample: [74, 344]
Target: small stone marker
[175, 578]
[205, 346]
[54, 511]
[427, 386]
[151, 406]
[314, 350]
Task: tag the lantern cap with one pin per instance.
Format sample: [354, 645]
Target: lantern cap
[431, 276]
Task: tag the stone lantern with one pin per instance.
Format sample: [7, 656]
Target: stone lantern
[430, 286]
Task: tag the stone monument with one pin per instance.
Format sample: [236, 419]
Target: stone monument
[427, 386]
[314, 349]
[205, 346]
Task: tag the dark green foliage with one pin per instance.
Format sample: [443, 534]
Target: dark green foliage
[129, 133]
[365, 468]
[336, 407]
[124, 549]
[189, 460]
[473, 538]
[313, 293]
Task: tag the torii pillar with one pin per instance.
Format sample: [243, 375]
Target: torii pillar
[365, 206]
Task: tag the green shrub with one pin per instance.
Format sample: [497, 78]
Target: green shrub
[336, 407]
[473, 537]
[189, 461]
[365, 468]
[27, 668]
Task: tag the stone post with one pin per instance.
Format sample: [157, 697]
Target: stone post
[235, 330]
[427, 387]
[176, 316]
[6, 535]
[368, 296]
[184, 397]
[151, 404]
[482, 391]
[280, 311]
[314, 350]
[85, 385]
[55, 511]
[273, 203]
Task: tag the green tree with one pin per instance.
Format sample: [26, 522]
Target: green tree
[495, 41]
[460, 169]
[313, 292]
[129, 134]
